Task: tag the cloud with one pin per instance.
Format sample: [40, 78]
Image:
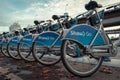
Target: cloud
[38, 10]
[4, 29]
[44, 9]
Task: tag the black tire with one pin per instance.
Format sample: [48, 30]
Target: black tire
[12, 51]
[74, 65]
[0, 49]
[42, 57]
[4, 51]
[28, 56]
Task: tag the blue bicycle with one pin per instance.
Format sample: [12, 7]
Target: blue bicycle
[46, 46]
[25, 43]
[84, 46]
[13, 45]
[6, 36]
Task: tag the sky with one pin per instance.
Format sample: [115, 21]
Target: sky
[26, 11]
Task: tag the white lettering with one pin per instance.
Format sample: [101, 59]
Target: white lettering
[26, 39]
[83, 33]
[47, 38]
[14, 40]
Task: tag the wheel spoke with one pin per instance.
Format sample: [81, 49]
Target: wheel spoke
[77, 60]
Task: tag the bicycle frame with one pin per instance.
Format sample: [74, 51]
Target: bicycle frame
[96, 41]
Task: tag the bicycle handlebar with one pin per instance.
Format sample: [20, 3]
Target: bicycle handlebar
[36, 22]
[56, 17]
[85, 14]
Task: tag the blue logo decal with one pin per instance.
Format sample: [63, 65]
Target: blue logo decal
[84, 34]
[14, 41]
[28, 39]
[48, 38]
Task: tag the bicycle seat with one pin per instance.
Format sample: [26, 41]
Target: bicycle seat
[5, 32]
[25, 29]
[16, 32]
[55, 17]
[36, 22]
[33, 31]
[92, 5]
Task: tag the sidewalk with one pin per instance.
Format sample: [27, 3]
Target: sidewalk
[20, 70]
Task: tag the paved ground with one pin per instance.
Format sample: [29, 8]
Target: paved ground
[20, 70]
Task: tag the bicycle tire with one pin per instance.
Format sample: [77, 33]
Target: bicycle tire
[26, 58]
[16, 56]
[39, 59]
[4, 52]
[70, 67]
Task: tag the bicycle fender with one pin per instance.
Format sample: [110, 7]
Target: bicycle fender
[4, 42]
[48, 38]
[84, 34]
[27, 39]
[14, 41]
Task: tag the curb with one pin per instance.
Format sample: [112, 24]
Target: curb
[113, 63]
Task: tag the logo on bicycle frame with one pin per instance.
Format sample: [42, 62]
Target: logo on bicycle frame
[25, 39]
[83, 33]
[14, 40]
[46, 38]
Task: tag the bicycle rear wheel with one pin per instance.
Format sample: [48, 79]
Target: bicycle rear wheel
[45, 55]
[77, 61]
[25, 51]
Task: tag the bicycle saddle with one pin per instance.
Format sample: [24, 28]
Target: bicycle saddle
[25, 29]
[33, 31]
[5, 32]
[36, 22]
[55, 17]
[16, 33]
[92, 5]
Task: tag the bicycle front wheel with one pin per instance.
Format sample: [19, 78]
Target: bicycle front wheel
[25, 51]
[46, 55]
[12, 50]
[4, 50]
[77, 61]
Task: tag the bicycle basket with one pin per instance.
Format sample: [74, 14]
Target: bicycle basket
[94, 18]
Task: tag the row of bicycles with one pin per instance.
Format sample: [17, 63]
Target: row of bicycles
[81, 47]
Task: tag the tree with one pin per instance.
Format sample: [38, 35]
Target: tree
[15, 27]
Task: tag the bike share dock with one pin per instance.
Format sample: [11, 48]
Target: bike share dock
[11, 69]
